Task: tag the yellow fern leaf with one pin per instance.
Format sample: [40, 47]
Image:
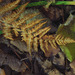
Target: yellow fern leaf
[29, 42]
[7, 33]
[42, 45]
[10, 18]
[24, 35]
[37, 27]
[44, 32]
[51, 40]
[61, 40]
[31, 33]
[32, 23]
[9, 7]
[23, 20]
[35, 44]
[41, 31]
[46, 44]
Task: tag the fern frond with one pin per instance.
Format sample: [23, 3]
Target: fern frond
[42, 45]
[10, 18]
[31, 24]
[35, 44]
[32, 34]
[16, 24]
[9, 7]
[24, 35]
[61, 40]
[23, 20]
[44, 32]
[37, 27]
[51, 40]
[46, 44]
[29, 16]
[46, 29]
[29, 42]
[7, 33]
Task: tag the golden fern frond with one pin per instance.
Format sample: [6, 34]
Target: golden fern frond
[7, 33]
[40, 32]
[50, 40]
[36, 27]
[31, 24]
[24, 28]
[44, 32]
[32, 33]
[6, 30]
[61, 40]
[9, 6]
[31, 36]
[42, 45]
[35, 44]
[10, 18]
[57, 40]
[16, 24]
[23, 20]
[28, 16]
[29, 43]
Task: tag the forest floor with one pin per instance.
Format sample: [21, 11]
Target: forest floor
[15, 62]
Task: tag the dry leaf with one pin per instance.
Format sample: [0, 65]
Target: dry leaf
[12, 62]
[20, 45]
[73, 66]
[2, 72]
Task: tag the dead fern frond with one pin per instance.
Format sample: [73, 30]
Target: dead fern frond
[57, 40]
[7, 33]
[9, 6]
[31, 36]
[31, 24]
[32, 33]
[51, 40]
[61, 40]
[10, 18]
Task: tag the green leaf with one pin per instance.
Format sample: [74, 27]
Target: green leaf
[68, 30]
[1, 32]
[69, 50]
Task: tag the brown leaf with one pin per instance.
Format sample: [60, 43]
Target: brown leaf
[12, 62]
[20, 45]
[73, 66]
[51, 51]
[55, 72]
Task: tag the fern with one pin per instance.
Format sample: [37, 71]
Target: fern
[31, 33]
[9, 7]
